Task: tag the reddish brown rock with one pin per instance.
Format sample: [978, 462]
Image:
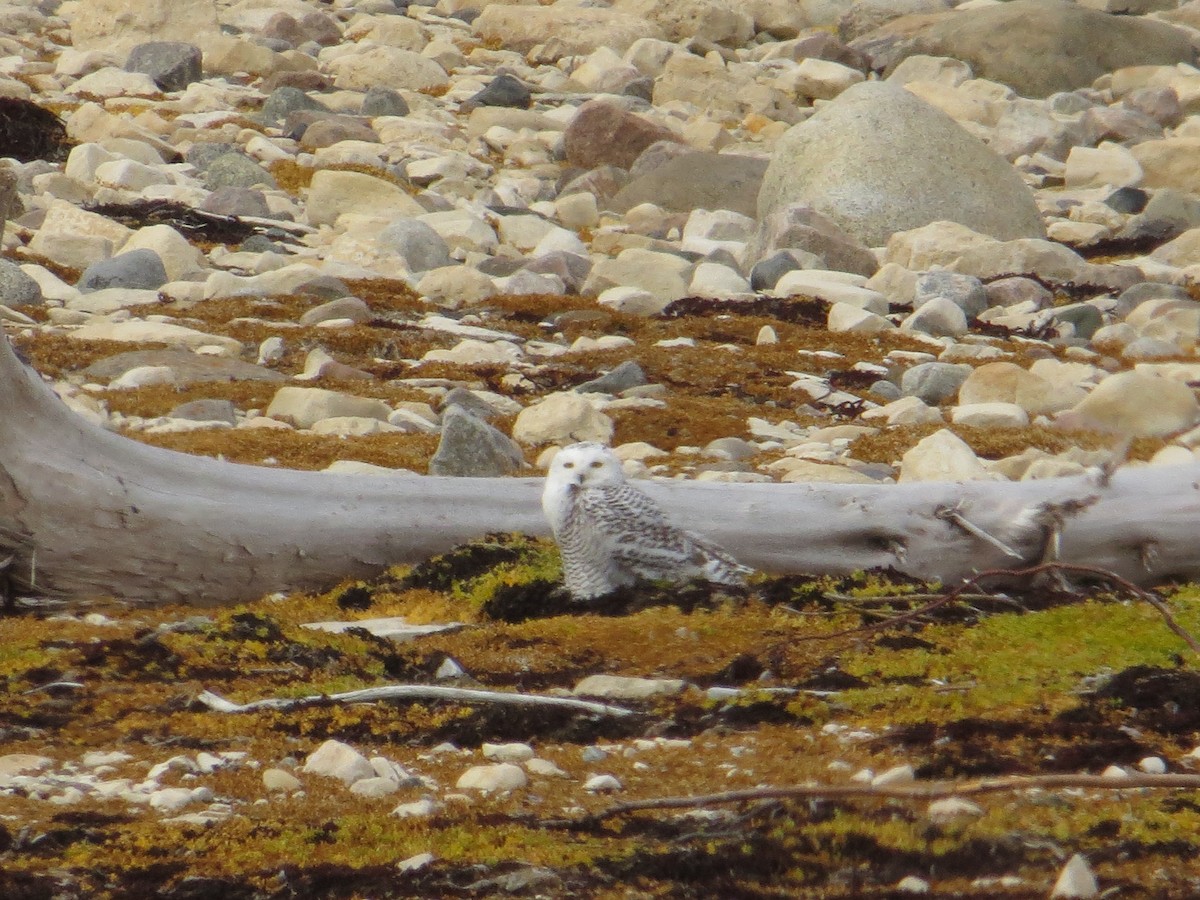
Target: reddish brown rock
[604, 134]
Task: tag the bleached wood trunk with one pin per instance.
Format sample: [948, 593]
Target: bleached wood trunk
[93, 513]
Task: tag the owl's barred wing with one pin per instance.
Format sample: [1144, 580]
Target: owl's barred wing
[641, 538]
[719, 565]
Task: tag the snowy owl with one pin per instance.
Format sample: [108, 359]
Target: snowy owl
[610, 534]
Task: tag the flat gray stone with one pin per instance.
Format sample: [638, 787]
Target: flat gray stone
[472, 448]
[17, 288]
[236, 170]
[188, 367]
[625, 376]
[800, 228]
[964, 291]
[138, 269]
[697, 181]
[419, 246]
[172, 64]
[934, 382]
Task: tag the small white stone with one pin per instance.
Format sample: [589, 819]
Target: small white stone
[624, 688]
[498, 777]
[513, 752]
[602, 784]
[766, 335]
[337, 760]
[911, 884]
[171, 799]
[374, 787]
[280, 780]
[1076, 880]
[1153, 765]
[949, 808]
[544, 767]
[449, 669]
[418, 862]
[1115, 772]
[417, 809]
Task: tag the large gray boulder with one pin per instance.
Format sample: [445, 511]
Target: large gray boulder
[1049, 45]
[878, 160]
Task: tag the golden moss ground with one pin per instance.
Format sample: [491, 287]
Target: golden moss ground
[969, 694]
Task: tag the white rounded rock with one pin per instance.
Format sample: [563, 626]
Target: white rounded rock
[990, 415]
[563, 418]
[303, 407]
[943, 456]
[341, 761]
[1076, 880]
[280, 780]
[498, 777]
[512, 752]
[1153, 765]
[603, 784]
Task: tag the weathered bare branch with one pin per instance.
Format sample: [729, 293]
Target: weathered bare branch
[98, 514]
[934, 790]
[414, 692]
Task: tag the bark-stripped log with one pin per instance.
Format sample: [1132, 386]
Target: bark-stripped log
[92, 513]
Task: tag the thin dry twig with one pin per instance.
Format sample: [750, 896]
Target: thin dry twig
[414, 692]
[933, 790]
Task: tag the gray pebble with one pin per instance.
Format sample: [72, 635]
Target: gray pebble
[418, 246]
[472, 448]
[382, 101]
[964, 291]
[504, 90]
[235, 170]
[17, 288]
[139, 269]
[625, 376]
[172, 64]
[934, 382]
[285, 100]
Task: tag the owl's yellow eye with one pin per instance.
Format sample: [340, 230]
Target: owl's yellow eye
[568, 465]
[596, 464]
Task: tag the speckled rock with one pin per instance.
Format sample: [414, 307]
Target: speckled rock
[862, 160]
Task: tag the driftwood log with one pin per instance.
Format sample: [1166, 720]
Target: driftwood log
[86, 513]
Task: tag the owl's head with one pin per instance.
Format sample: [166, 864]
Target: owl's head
[586, 464]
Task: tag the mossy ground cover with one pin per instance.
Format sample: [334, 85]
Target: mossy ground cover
[1074, 685]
